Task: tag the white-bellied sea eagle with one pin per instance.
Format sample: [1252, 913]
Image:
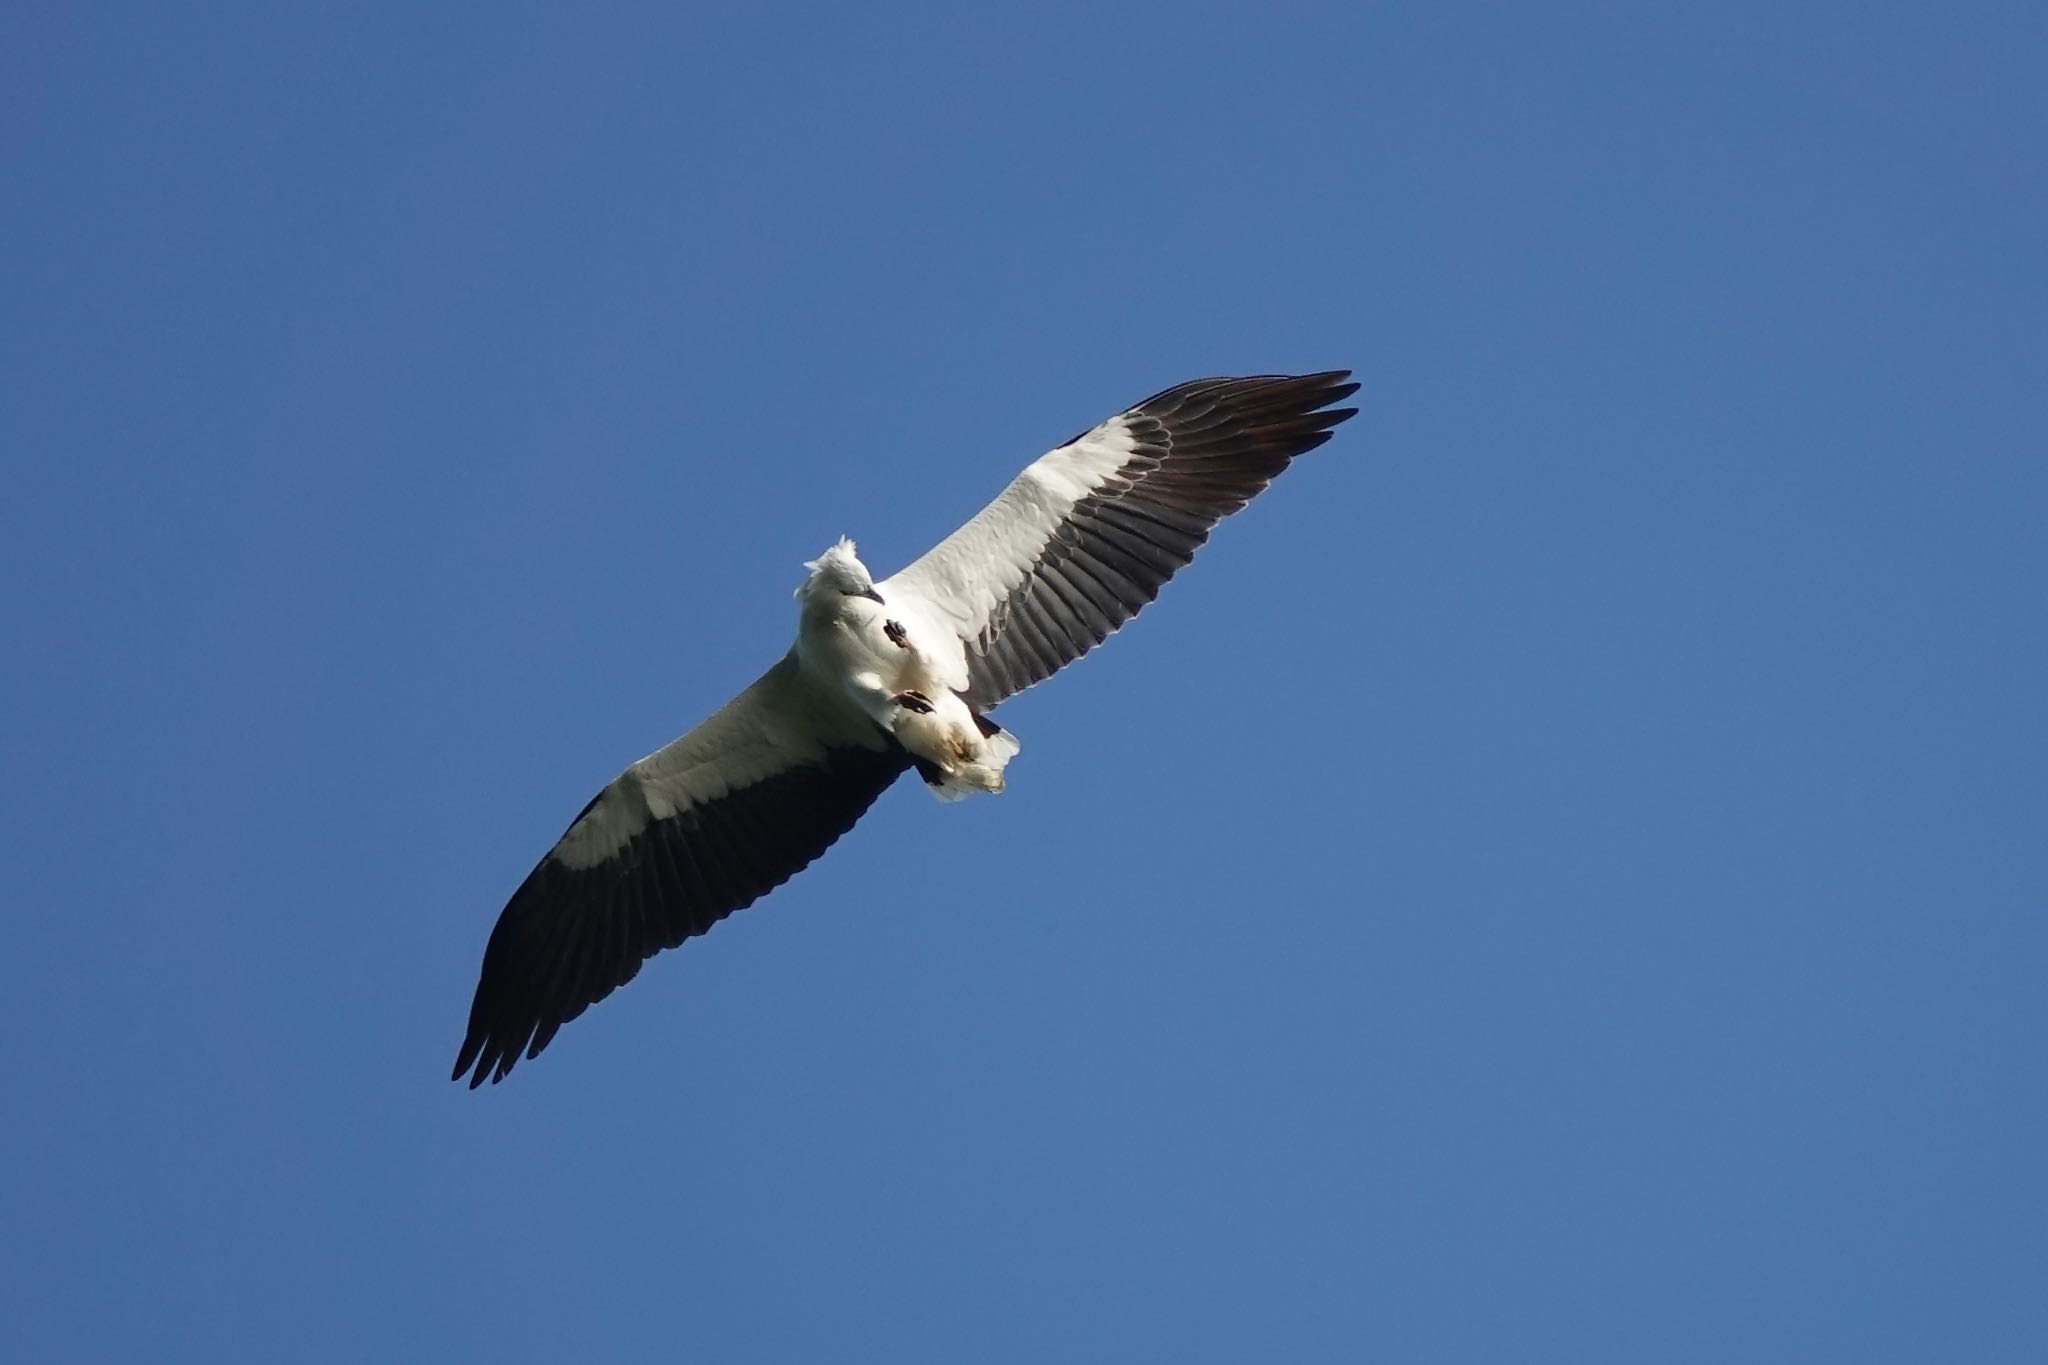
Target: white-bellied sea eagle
[885, 677]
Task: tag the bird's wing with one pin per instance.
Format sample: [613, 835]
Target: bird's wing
[1089, 532]
[674, 844]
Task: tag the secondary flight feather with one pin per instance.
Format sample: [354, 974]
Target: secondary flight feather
[885, 677]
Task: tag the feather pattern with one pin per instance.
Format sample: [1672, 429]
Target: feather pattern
[1090, 532]
[681, 839]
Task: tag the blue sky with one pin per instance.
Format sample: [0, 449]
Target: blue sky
[1562, 877]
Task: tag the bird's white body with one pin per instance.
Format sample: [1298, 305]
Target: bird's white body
[877, 650]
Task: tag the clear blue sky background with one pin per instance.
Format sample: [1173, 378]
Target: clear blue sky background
[1563, 877]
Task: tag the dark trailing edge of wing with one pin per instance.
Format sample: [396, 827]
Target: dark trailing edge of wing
[1203, 450]
[568, 937]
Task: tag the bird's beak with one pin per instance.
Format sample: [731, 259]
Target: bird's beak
[873, 596]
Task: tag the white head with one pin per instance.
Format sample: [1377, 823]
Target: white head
[837, 573]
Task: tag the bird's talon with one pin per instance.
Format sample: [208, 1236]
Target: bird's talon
[898, 636]
[914, 701]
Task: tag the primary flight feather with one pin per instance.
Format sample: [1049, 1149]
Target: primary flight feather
[884, 677]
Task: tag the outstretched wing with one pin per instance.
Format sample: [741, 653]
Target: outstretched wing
[677, 842]
[1090, 532]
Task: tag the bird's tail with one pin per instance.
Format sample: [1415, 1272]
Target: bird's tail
[978, 768]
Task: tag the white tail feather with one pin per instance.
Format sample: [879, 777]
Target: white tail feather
[966, 760]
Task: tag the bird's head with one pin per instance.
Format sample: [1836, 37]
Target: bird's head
[837, 573]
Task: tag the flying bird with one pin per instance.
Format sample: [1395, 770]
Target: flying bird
[885, 677]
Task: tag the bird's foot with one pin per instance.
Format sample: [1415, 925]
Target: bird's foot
[914, 701]
[898, 636]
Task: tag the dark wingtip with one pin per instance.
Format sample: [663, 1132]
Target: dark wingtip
[1330, 386]
[482, 1059]
[470, 1062]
